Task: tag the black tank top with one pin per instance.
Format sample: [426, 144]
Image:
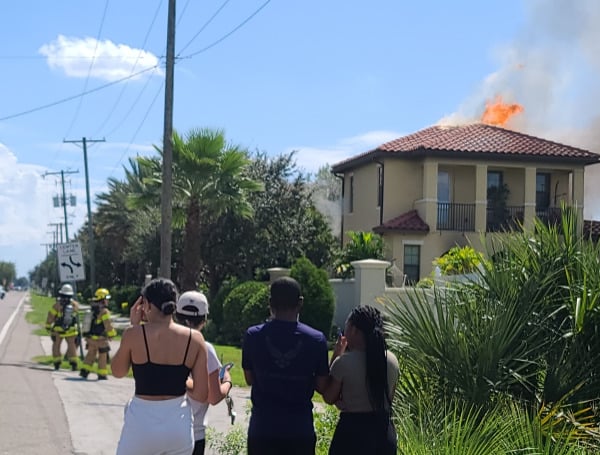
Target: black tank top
[157, 379]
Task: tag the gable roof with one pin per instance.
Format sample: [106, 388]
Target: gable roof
[407, 222]
[475, 140]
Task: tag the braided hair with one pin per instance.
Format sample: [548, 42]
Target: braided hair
[369, 321]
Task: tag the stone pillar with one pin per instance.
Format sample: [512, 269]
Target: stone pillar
[577, 196]
[429, 212]
[277, 272]
[369, 276]
[481, 197]
[529, 203]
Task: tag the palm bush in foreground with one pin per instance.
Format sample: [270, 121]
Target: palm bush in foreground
[523, 333]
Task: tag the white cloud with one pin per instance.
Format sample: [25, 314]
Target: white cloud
[26, 211]
[111, 61]
[24, 200]
[311, 158]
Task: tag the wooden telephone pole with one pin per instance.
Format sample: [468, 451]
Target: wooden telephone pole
[167, 163]
[92, 248]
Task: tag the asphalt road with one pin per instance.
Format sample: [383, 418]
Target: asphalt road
[32, 417]
[43, 411]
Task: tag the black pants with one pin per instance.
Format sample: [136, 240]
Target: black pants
[199, 447]
[364, 433]
[281, 446]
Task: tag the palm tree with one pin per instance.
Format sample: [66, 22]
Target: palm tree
[122, 229]
[209, 180]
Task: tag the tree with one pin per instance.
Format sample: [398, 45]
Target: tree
[8, 273]
[209, 180]
[127, 236]
[286, 225]
[319, 301]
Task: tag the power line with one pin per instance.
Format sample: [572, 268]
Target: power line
[70, 98]
[91, 246]
[118, 100]
[204, 26]
[183, 11]
[204, 49]
[87, 78]
[131, 76]
[134, 104]
[63, 57]
[139, 126]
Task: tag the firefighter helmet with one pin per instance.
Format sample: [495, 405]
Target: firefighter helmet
[66, 290]
[101, 294]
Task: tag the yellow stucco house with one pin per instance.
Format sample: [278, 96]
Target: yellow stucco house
[446, 185]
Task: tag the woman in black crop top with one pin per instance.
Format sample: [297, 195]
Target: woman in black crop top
[158, 419]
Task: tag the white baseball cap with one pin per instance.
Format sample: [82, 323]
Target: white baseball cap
[192, 299]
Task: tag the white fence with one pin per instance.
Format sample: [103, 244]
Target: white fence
[368, 287]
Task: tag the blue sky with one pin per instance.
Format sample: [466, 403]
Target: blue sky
[326, 78]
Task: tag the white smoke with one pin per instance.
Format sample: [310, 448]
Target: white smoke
[552, 69]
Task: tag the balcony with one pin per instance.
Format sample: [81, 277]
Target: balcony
[455, 217]
[461, 217]
[550, 216]
[508, 218]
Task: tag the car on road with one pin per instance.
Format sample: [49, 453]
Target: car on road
[2, 292]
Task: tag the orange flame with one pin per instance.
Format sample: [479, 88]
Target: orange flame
[498, 113]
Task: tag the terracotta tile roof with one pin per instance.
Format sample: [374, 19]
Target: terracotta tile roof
[407, 222]
[591, 230]
[467, 140]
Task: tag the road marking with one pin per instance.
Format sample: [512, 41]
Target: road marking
[10, 320]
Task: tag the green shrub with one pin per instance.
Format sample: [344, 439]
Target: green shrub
[233, 324]
[459, 260]
[256, 309]
[120, 295]
[232, 442]
[361, 245]
[325, 423]
[216, 303]
[318, 307]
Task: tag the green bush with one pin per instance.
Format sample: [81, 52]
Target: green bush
[232, 442]
[319, 300]
[459, 260]
[361, 245]
[120, 295]
[216, 304]
[256, 309]
[233, 306]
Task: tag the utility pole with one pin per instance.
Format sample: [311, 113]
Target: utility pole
[48, 246]
[64, 198]
[92, 249]
[166, 213]
[56, 237]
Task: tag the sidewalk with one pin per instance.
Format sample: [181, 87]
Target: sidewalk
[94, 408]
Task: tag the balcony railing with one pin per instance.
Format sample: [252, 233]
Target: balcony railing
[550, 216]
[461, 217]
[509, 218]
[455, 217]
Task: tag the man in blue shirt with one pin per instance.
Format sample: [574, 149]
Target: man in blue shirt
[284, 361]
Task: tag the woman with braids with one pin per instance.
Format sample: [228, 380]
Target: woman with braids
[162, 354]
[361, 384]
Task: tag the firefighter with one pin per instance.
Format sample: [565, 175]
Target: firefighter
[98, 336]
[62, 325]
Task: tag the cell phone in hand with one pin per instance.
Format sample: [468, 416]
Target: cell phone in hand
[224, 368]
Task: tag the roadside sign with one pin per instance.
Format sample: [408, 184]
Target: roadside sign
[70, 262]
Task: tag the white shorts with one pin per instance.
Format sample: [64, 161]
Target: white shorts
[162, 427]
